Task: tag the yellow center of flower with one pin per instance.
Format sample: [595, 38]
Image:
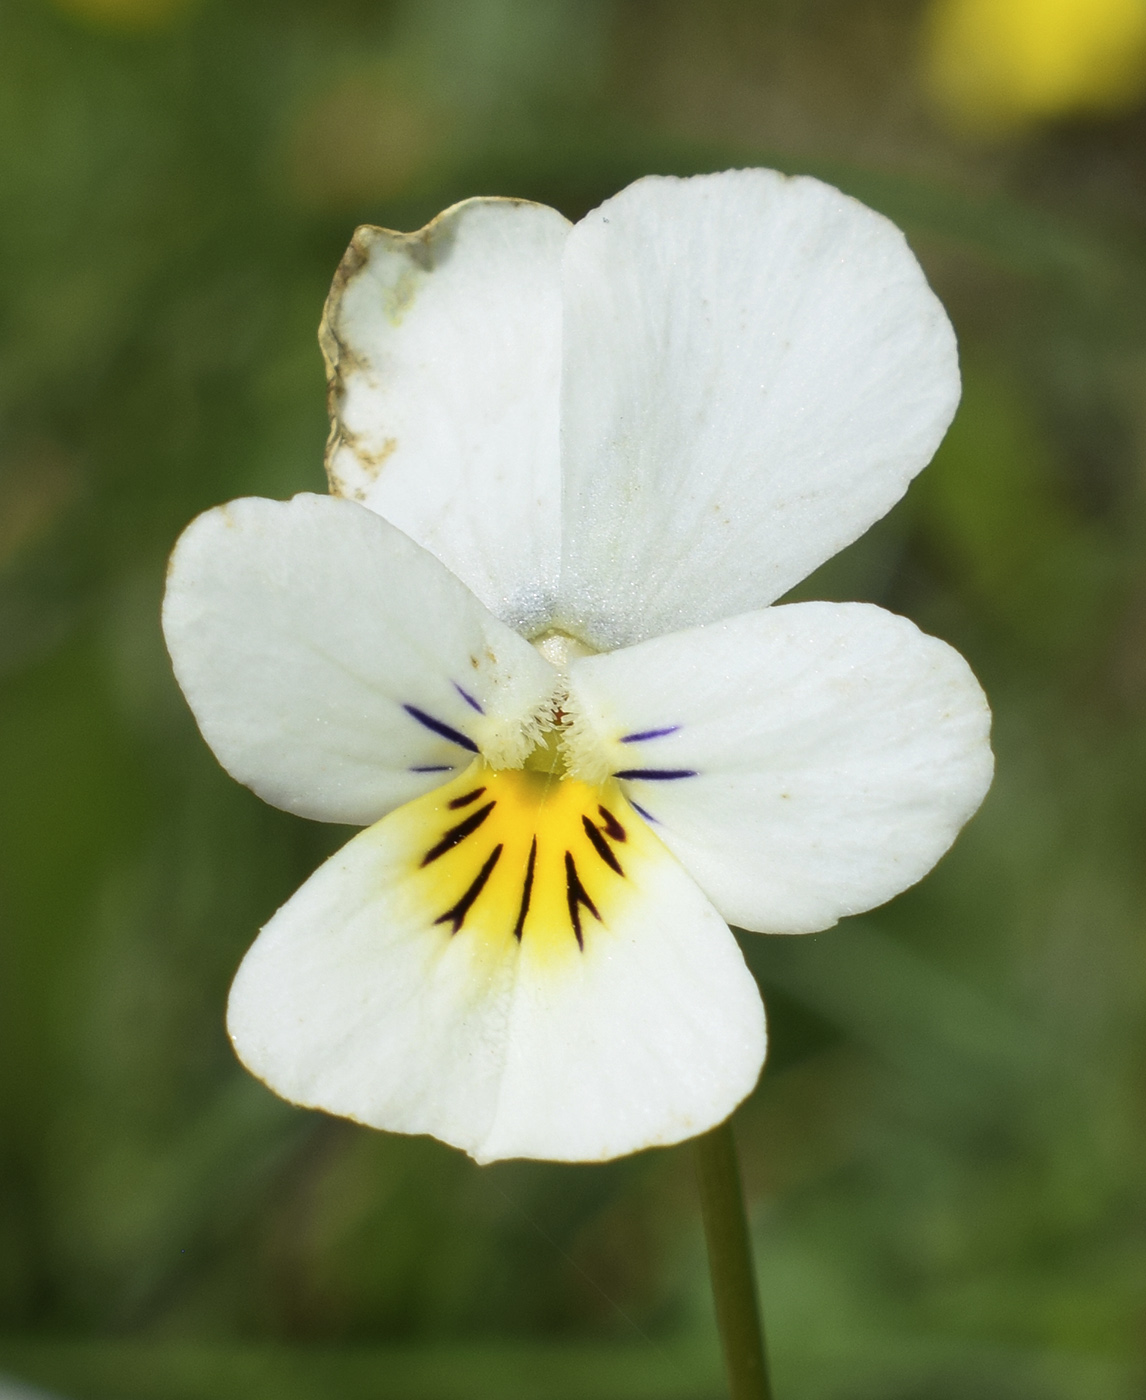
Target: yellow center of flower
[524, 855]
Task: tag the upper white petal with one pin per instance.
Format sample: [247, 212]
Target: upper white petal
[443, 350]
[754, 369]
[299, 632]
[837, 750]
[359, 998]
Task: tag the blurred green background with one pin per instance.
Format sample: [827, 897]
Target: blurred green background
[945, 1157]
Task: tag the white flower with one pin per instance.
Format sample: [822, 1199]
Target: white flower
[527, 644]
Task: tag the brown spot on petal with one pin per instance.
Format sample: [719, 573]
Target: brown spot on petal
[377, 460]
[371, 460]
[424, 251]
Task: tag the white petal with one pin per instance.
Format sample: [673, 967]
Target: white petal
[813, 759]
[755, 368]
[318, 646]
[392, 988]
[443, 350]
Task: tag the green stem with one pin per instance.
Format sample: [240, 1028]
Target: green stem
[730, 1264]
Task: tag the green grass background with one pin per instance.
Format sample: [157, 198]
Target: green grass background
[945, 1156]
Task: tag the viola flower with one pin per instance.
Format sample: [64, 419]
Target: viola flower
[527, 644]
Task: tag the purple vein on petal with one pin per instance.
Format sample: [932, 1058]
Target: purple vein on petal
[649, 734]
[656, 775]
[435, 726]
[432, 768]
[468, 698]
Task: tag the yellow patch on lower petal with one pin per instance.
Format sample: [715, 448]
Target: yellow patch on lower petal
[523, 857]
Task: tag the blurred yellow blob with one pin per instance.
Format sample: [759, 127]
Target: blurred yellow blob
[126, 14]
[999, 64]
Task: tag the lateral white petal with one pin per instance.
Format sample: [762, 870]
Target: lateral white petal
[443, 351]
[333, 665]
[804, 762]
[393, 988]
[755, 368]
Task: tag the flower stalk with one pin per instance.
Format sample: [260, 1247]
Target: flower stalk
[730, 1264]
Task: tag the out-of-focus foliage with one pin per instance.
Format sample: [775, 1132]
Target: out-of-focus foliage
[126, 14]
[944, 1156]
[1000, 63]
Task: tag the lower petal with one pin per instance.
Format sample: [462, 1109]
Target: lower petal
[513, 963]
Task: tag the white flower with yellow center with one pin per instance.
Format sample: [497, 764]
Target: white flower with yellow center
[527, 644]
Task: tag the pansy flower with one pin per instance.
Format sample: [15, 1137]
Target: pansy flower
[528, 643]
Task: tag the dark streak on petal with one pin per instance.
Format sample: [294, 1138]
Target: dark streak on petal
[465, 800]
[648, 816]
[433, 768]
[601, 846]
[577, 895]
[457, 915]
[435, 726]
[457, 834]
[526, 892]
[468, 698]
[656, 775]
[649, 734]
[613, 828]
